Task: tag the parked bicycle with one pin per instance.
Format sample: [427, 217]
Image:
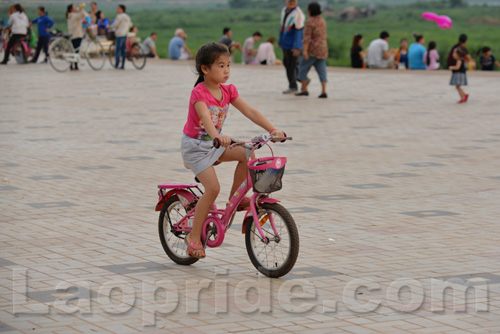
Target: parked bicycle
[271, 236]
[62, 53]
[134, 53]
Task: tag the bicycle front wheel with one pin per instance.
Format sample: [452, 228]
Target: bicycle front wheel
[172, 241]
[95, 55]
[112, 55]
[59, 50]
[274, 256]
[19, 52]
[137, 56]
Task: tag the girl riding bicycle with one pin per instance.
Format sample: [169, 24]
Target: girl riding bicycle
[208, 108]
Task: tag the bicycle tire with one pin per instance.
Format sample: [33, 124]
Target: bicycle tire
[137, 56]
[112, 55]
[288, 234]
[94, 53]
[57, 51]
[173, 245]
[19, 52]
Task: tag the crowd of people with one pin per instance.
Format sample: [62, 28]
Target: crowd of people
[303, 43]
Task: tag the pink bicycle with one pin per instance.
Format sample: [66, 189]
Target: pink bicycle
[271, 236]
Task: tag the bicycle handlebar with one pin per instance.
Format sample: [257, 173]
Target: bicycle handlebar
[255, 141]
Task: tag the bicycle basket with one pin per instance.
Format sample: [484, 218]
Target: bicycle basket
[266, 174]
[92, 31]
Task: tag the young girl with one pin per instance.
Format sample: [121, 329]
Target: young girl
[208, 108]
[458, 78]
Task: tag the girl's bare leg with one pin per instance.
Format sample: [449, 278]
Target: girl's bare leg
[461, 92]
[240, 174]
[209, 180]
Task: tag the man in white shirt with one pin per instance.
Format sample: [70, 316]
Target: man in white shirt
[379, 55]
[18, 23]
[121, 25]
[248, 52]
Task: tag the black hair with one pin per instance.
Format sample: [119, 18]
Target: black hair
[207, 55]
[42, 9]
[418, 37]
[19, 8]
[432, 46]
[69, 9]
[153, 33]
[462, 38]
[355, 42]
[225, 30]
[93, 3]
[271, 39]
[384, 34]
[123, 8]
[314, 9]
[257, 33]
[486, 49]
[461, 51]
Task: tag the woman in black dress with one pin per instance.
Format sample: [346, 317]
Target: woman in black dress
[357, 54]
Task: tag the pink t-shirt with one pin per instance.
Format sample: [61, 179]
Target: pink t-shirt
[218, 109]
[433, 60]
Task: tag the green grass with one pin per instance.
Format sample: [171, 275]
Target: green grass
[205, 25]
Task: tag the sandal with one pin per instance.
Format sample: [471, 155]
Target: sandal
[194, 246]
[244, 205]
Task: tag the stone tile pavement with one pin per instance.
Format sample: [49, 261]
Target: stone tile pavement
[394, 187]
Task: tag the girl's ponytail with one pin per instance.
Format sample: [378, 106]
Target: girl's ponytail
[201, 78]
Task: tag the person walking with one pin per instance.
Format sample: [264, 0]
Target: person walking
[75, 15]
[44, 23]
[18, 24]
[290, 41]
[315, 49]
[121, 25]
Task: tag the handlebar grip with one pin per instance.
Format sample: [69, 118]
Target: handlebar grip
[216, 142]
[284, 140]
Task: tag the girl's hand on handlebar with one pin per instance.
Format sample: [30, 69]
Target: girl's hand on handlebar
[224, 141]
[277, 133]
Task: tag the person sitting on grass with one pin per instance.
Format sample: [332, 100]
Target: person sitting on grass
[177, 48]
[227, 40]
[149, 46]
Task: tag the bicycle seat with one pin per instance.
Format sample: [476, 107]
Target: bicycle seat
[176, 185]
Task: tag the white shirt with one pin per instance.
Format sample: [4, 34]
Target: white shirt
[19, 23]
[376, 51]
[266, 52]
[121, 25]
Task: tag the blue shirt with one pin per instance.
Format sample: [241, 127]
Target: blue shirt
[416, 56]
[103, 23]
[43, 22]
[174, 47]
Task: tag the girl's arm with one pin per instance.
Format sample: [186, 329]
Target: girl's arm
[457, 65]
[206, 120]
[255, 116]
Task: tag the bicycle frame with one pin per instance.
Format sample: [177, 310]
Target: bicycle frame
[223, 218]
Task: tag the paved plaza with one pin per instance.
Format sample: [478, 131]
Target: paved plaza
[395, 189]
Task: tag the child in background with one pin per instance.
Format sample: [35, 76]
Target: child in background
[487, 61]
[208, 109]
[459, 78]
[431, 57]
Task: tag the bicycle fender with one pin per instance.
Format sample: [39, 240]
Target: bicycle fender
[248, 215]
[184, 196]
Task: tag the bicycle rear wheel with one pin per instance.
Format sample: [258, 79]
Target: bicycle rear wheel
[137, 56]
[112, 55]
[172, 242]
[58, 51]
[94, 53]
[275, 256]
[19, 53]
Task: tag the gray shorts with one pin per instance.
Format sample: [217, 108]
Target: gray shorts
[199, 154]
